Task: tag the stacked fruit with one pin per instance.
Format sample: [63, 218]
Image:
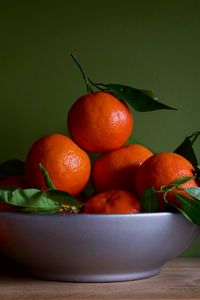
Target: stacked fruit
[125, 177]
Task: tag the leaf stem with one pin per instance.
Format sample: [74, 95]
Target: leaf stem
[85, 77]
[194, 136]
[99, 86]
[48, 181]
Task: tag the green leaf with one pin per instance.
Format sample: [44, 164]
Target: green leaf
[190, 208]
[35, 200]
[186, 148]
[140, 100]
[13, 167]
[63, 198]
[48, 182]
[181, 180]
[194, 192]
[149, 93]
[149, 200]
[32, 200]
[175, 184]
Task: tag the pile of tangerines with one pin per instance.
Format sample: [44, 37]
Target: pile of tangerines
[100, 123]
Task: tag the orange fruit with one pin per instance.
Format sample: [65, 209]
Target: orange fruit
[162, 169]
[117, 169]
[66, 163]
[14, 181]
[99, 122]
[7, 207]
[113, 202]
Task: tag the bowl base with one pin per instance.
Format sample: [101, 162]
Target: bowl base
[95, 277]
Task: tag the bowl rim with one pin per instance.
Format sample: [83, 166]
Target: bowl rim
[90, 215]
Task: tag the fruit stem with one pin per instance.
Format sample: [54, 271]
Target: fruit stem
[85, 77]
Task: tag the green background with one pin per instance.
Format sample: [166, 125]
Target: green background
[153, 45]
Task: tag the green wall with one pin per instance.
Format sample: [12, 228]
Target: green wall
[147, 44]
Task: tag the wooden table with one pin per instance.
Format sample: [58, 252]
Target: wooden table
[179, 279]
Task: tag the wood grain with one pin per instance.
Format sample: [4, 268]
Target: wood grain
[179, 279]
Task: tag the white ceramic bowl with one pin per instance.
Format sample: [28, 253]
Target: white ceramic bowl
[94, 248]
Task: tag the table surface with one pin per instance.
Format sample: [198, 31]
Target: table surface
[179, 279]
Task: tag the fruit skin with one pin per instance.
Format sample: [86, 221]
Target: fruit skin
[117, 169]
[14, 181]
[67, 164]
[7, 207]
[113, 202]
[99, 122]
[161, 169]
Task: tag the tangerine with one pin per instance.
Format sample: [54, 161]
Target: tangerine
[7, 207]
[113, 202]
[14, 181]
[117, 169]
[99, 122]
[66, 163]
[162, 169]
